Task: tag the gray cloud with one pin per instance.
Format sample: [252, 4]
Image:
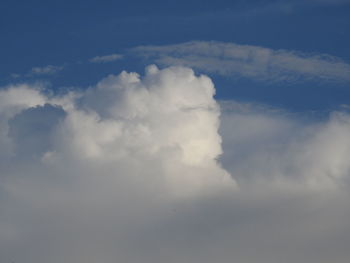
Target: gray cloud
[128, 171]
[264, 64]
[31, 129]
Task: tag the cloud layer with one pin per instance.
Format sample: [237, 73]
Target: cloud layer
[264, 64]
[132, 170]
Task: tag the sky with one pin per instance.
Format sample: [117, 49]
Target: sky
[175, 131]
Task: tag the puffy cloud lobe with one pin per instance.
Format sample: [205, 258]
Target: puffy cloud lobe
[127, 171]
[166, 110]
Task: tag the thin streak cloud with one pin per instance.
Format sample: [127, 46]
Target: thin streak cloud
[254, 62]
[47, 70]
[106, 59]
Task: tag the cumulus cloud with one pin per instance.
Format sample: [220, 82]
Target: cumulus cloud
[107, 58]
[169, 113]
[47, 70]
[260, 63]
[132, 170]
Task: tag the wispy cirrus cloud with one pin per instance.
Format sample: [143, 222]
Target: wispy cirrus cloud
[107, 58]
[331, 2]
[255, 62]
[46, 70]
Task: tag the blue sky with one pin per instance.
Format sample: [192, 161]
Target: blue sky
[67, 34]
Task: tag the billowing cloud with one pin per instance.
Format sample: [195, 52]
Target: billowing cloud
[132, 170]
[260, 63]
[107, 58]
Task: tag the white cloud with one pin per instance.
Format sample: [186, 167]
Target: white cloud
[264, 64]
[47, 70]
[107, 58]
[128, 171]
